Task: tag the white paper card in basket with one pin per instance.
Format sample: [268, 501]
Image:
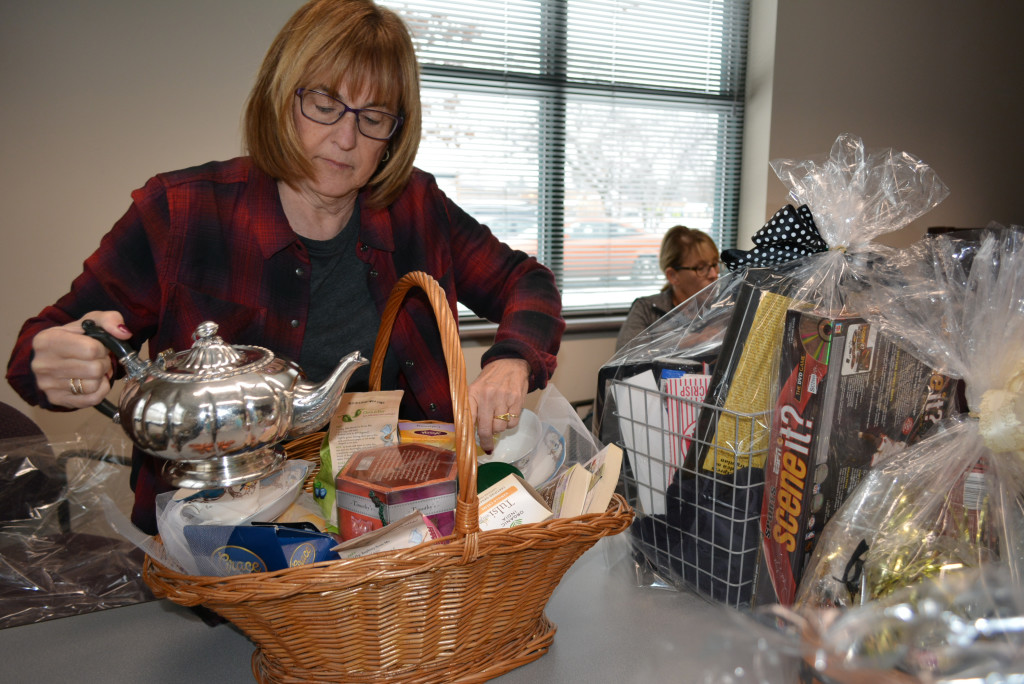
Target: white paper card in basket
[645, 434]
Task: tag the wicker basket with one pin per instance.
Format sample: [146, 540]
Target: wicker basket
[466, 608]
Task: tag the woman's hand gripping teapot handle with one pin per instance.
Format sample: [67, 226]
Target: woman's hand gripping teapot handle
[72, 368]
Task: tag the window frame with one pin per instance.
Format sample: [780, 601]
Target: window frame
[554, 88]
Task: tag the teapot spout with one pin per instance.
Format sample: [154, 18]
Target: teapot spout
[314, 404]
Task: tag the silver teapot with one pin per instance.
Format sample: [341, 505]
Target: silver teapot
[217, 413]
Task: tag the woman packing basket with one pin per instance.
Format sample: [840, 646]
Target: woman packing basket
[308, 246]
[463, 608]
[296, 246]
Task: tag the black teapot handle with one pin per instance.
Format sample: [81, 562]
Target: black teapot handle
[121, 351]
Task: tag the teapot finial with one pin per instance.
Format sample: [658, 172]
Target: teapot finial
[209, 353]
[204, 330]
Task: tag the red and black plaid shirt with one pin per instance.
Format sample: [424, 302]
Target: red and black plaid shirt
[212, 243]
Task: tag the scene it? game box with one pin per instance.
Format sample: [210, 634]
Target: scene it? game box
[849, 398]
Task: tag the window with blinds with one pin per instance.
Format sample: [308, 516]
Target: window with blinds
[579, 131]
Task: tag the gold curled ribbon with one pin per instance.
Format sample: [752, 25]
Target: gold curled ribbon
[1001, 414]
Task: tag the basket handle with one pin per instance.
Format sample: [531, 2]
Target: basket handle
[467, 514]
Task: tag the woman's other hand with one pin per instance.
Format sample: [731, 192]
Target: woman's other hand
[496, 398]
[72, 369]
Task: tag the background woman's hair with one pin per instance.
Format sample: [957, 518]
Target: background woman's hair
[325, 43]
[678, 242]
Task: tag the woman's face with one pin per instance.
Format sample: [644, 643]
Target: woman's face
[343, 159]
[690, 278]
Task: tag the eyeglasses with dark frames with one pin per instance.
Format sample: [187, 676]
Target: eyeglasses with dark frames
[701, 269]
[327, 110]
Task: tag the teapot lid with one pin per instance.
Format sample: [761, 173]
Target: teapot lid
[210, 357]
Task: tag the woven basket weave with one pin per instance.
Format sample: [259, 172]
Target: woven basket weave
[465, 608]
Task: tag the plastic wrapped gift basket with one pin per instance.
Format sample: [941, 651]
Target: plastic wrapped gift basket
[464, 608]
[750, 411]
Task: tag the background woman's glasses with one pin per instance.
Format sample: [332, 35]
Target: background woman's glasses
[700, 269]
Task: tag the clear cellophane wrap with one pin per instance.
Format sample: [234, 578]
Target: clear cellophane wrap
[701, 513]
[950, 506]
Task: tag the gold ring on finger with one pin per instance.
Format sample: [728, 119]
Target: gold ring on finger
[76, 386]
[504, 416]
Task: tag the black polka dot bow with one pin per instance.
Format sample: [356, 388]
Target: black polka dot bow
[790, 234]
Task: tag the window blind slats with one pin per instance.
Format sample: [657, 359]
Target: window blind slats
[580, 130]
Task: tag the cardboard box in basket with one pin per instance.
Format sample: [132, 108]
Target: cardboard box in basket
[381, 485]
[849, 398]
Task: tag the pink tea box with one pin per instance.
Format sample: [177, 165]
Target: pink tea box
[385, 484]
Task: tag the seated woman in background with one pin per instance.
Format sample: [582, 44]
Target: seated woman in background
[689, 259]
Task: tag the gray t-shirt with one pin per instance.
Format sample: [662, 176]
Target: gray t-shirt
[342, 315]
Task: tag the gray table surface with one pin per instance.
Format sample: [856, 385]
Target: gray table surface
[609, 630]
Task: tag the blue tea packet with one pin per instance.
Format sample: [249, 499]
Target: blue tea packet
[223, 550]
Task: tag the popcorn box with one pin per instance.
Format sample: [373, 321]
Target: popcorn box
[385, 484]
[849, 398]
[691, 389]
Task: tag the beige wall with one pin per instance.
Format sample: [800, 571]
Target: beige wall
[99, 96]
[940, 79]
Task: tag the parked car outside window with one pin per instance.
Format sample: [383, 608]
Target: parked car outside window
[592, 249]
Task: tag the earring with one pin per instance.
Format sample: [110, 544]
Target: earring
[387, 155]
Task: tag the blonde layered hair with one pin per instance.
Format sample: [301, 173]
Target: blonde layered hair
[327, 42]
[678, 242]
